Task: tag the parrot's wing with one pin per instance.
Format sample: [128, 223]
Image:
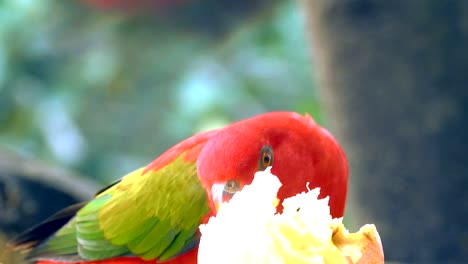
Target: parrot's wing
[153, 212]
[154, 215]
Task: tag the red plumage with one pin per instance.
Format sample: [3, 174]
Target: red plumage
[188, 258]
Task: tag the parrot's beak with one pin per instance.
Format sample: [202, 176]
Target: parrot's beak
[222, 192]
[217, 193]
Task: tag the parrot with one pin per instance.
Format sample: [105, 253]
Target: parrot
[152, 215]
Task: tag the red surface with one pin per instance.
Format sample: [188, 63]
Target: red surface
[188, 258]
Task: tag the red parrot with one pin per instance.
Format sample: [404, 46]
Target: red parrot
[152, 214]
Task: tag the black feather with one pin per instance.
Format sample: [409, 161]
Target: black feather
[107, 187]
[34, 236]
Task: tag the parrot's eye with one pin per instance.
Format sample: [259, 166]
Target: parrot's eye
[266, 158]
[231, 186]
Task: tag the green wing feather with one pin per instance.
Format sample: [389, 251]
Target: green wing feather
[158, 211]
[154, 215]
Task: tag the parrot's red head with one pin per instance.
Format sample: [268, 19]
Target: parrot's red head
[298, 150]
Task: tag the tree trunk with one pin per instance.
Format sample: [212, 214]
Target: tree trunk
[393, 76]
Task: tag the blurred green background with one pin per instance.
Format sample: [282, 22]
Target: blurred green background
[104, 90]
